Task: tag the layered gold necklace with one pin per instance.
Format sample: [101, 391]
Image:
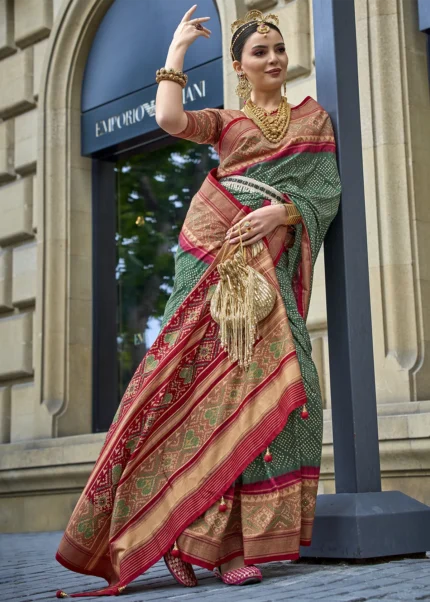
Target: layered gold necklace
[272, 126]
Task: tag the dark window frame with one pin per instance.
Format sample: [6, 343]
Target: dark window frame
[104, 309]
[104, 295]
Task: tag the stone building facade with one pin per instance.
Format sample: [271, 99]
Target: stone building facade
[47, 445]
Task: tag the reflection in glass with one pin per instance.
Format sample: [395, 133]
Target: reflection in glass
[154, 191]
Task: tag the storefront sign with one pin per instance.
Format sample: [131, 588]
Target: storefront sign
[137, 114]
[134, 115]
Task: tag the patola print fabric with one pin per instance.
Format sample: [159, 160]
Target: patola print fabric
[192, 426]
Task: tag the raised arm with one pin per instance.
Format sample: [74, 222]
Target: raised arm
[169, 110]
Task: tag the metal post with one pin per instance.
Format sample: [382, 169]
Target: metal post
[359, 521]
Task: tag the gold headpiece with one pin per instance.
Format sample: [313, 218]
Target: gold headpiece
[252, 17]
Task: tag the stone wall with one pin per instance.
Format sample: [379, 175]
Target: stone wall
[47, 447]
[24, 28]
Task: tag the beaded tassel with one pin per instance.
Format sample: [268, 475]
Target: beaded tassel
[304, 414]
[268, 456]
[223, 506]
[175, 551]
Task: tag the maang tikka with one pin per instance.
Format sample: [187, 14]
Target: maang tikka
[243, 89]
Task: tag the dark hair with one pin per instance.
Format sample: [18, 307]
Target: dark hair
[243, 35]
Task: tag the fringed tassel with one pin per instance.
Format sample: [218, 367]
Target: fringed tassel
[234, 308]
[112, 590]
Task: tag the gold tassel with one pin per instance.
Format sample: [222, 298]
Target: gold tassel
[242, 298]
[235, 309]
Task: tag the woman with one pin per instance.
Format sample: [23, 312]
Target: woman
[212, 460]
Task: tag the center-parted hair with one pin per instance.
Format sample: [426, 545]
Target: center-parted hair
[242, 34]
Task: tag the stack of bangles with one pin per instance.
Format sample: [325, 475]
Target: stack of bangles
[173, 74]
[293, 216]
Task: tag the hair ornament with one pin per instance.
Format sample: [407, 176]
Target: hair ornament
[251, 17]
[256, 15]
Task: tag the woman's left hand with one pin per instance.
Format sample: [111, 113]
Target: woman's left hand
[257, 225]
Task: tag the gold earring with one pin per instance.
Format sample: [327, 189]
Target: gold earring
[243, 89]
[285, 88]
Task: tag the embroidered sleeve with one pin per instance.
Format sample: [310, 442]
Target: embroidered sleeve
[203, 127]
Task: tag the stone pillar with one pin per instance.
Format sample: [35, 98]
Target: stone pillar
[395, 114]
[45, 230]
[24, 27]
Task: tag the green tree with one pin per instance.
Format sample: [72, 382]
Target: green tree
[154, 191]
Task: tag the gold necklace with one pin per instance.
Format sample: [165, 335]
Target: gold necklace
[273, 127]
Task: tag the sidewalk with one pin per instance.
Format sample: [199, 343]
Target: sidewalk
[29, 572]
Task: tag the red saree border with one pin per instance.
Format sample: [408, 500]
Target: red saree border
[220, 358]
[215, 207]
[217, 184]
[292, 149]
[206, 565]
[243, 116]
[252, 448]
[248, 562]
[273, 558]
[216, 435]
[196, 252]
[275, 483]
[129, 417]
[303, 102]
[228, 126]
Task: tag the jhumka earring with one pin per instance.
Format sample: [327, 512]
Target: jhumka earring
[243, 89]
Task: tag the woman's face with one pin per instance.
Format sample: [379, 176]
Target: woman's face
[264, 61]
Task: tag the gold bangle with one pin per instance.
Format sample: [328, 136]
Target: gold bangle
[293, 214]
[172, 78]
[172, 74]
[171, 70]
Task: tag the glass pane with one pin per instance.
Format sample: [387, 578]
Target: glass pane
[154, 191]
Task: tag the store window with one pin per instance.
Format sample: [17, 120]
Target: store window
[153, 193]
[143, 179]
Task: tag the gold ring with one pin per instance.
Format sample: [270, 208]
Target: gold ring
[247, 225]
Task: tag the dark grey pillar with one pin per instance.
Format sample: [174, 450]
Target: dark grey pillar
[424, 25]
[359, 521]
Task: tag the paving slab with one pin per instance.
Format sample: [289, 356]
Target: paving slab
[30, 573]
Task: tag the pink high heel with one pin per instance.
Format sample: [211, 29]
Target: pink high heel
[244, 576]
[182, 571]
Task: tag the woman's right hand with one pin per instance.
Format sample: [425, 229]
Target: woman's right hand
[186, 31]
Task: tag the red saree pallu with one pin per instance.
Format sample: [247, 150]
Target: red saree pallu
[189, 423]
[175, 465]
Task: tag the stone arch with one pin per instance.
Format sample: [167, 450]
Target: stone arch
[63, 327]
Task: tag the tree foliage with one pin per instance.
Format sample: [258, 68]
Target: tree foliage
[154, 191]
